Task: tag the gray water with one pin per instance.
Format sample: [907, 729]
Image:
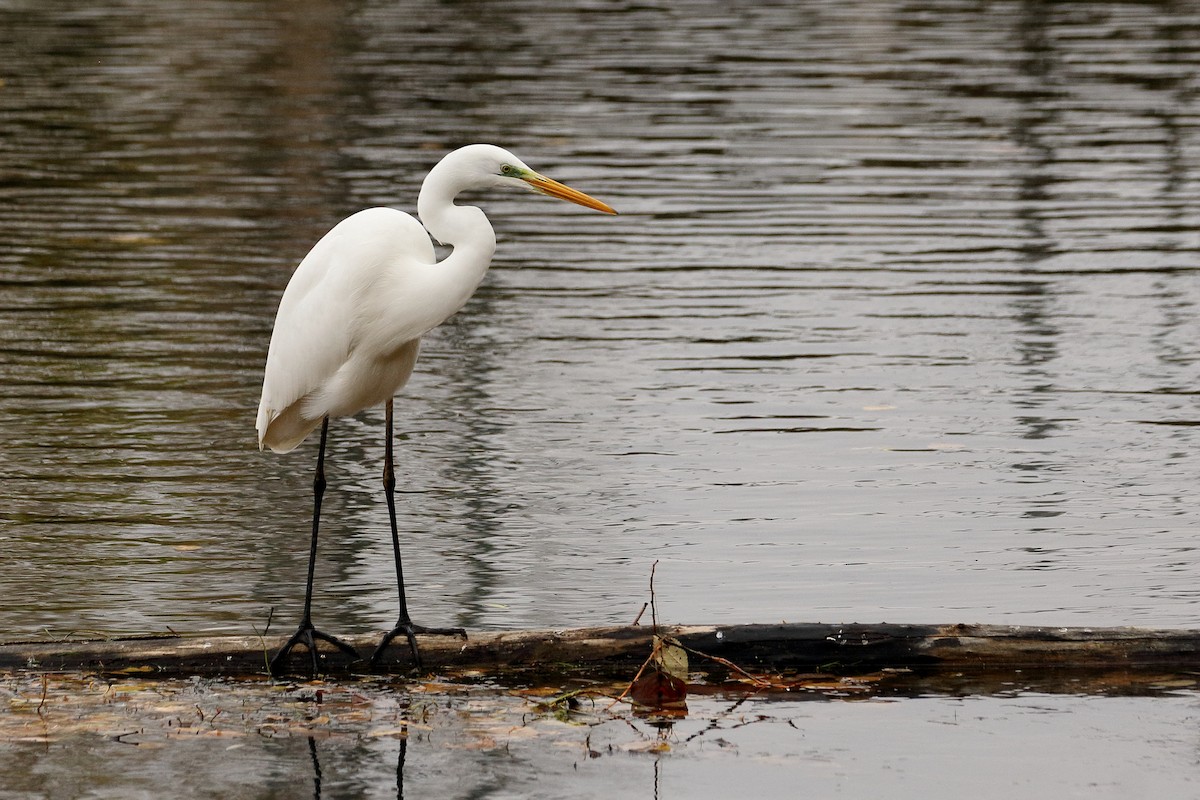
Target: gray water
[471, 745]
[897, 322]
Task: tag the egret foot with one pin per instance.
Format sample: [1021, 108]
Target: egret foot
[410, 631]
[307, 635]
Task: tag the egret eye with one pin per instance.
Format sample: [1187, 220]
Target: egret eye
[507, 169]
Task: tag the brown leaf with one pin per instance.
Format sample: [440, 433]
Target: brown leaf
[657, 689]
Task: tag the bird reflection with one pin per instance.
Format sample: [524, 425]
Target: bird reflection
[400, 762]
[316, 762]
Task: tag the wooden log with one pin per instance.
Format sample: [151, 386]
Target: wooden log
[833, 649]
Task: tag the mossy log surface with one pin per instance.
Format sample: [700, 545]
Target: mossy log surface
[834, 649]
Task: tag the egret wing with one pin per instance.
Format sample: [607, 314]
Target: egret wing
[319, 314]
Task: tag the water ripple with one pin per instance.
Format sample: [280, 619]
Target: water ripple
[952, 246]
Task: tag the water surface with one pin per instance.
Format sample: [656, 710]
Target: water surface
[367, 740]
[898, 321]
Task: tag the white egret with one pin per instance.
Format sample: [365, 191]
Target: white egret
[350, 321]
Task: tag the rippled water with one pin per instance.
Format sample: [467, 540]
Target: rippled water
[898, 321]
[368, 741]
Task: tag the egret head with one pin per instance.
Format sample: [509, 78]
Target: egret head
[480, 166]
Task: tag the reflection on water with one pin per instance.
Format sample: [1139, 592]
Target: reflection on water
[357, 739]
[898, 321]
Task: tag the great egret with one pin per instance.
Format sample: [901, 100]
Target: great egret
[349, 325]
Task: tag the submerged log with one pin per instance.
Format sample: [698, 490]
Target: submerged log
[811, 647]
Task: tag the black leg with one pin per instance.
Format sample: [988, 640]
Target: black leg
[405, 624]
[306, 634]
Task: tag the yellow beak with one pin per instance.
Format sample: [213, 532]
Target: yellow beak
[546, 186]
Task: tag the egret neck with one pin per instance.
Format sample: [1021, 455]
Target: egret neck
[464, 228]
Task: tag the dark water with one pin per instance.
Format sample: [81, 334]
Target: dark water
[898, 322]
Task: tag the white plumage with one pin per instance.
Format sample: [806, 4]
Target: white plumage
[350, 322]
